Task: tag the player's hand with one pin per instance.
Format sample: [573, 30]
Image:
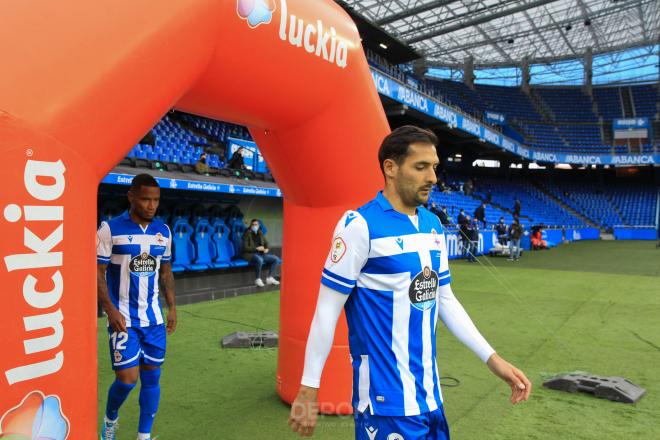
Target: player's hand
[260, 248]
[171, 321]
[266, 250]
[116, 319]
[521, 387]
[304, 411]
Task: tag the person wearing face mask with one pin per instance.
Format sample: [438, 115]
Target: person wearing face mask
[236, 161]
[255, 250]
[201, 167]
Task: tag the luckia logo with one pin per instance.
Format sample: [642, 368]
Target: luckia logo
[36, 417]
[314, 37]
[256, 12]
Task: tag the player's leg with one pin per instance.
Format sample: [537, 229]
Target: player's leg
[125, 354]
[370, 427]
[153, 343]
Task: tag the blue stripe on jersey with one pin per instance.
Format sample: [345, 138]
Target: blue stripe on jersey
[126, 249]
[150, 297]
[339, 278]
[407, 262]
[415, 350]
[335, 285]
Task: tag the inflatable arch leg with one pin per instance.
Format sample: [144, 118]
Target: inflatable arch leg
[80, 84]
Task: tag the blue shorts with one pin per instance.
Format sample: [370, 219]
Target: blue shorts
[138, 346]
[427, 426]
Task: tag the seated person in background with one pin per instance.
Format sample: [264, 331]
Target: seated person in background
[255, 250]
[537, 240]
[236, 161]
[201, 167]
[501, 230]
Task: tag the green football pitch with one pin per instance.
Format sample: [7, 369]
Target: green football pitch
[586, 306]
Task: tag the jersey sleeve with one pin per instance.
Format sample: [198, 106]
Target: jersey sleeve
[103, 244]
[167, 255]
[444, 276]
[348, 254]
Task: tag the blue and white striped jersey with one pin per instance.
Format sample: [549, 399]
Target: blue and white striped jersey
[391, 268]
[134, 256]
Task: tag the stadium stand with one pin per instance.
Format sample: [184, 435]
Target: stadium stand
[608, 100]
[537, 207]
[645, 100]
[560, 119]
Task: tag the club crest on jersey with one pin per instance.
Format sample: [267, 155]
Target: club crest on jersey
[159, 238]
[436, 238]
[395, 436]
[117, 356]
[338, 250]
[423, 289]
[143, 265]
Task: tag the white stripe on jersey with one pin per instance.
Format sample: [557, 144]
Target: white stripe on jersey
[155, 306]
[143, 291]
[363, 384]
[124, 286]
[386, 282]
[400, 335]
[136, 239]
[420, 243]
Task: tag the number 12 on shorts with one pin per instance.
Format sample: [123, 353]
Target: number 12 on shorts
[119, 340]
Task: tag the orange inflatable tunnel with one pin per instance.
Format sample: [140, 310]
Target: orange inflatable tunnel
[81, 82]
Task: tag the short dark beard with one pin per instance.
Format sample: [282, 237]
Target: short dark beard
[140, 216]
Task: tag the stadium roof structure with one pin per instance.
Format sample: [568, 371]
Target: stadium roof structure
[499, 33]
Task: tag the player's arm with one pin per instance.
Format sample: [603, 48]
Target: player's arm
[103, 252]
[115, 318]
[347, 256]
[167, 283]
[454, 316]
[304, 410]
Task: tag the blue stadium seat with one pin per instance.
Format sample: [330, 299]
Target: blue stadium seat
[183, 250]
[204, 248]
[224, 248]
